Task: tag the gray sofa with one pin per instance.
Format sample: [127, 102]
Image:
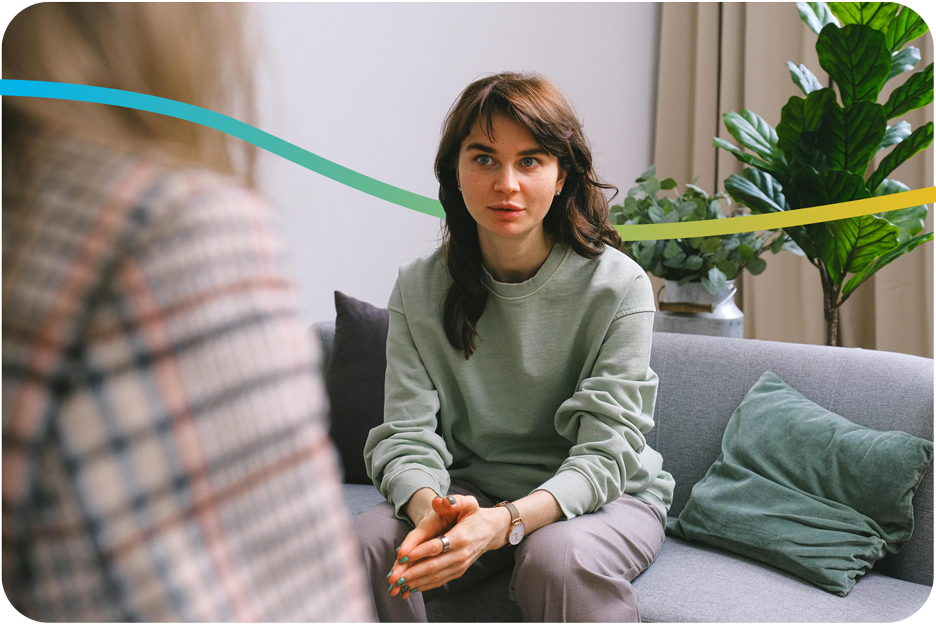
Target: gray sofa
[702, 381]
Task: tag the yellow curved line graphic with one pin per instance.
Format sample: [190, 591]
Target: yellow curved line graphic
[776, 220]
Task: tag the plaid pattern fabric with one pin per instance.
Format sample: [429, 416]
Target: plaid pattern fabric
[165, 454]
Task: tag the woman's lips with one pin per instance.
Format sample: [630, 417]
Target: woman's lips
[506, 210]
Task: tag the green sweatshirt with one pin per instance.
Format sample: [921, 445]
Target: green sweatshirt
[558, 395]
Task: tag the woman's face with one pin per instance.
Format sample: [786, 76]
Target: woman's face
[508, 183]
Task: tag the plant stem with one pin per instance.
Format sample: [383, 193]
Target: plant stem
[832, 327]
[830, 305]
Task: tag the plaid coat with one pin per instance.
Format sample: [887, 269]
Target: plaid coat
[165, 454]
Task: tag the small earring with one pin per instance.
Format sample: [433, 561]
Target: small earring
[459, 189]
[558, 191]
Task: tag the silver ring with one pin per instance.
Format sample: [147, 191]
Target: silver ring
[445, 543]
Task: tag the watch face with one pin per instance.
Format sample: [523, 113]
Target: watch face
[517, 533]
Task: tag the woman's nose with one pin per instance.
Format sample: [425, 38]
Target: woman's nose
[506, 181]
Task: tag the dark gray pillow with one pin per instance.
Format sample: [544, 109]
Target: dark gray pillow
[354, 380]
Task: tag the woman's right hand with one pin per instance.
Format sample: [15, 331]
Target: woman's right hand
[434, 516]
[471, 530]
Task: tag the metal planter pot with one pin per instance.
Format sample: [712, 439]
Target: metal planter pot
[690, 309]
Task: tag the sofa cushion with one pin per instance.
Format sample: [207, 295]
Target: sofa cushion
[805, 489]
[691, 582]
[354, 380]
[697, 583]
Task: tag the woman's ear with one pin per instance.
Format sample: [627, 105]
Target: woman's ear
[561, 179]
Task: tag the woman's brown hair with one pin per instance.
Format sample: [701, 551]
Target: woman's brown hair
[190, 52]
[578, 217]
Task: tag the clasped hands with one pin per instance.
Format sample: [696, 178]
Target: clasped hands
[471, 530]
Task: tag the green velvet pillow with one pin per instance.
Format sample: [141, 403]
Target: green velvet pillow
[806, 490]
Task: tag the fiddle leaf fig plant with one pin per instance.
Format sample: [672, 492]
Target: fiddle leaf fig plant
[822, 150]
[711, 260]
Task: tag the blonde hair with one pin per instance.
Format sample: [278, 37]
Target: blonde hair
[190, 52]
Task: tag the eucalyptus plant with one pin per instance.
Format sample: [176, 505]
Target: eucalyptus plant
[821, 151]
[710, 260]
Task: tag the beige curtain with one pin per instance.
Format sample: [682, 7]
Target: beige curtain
[718, 57]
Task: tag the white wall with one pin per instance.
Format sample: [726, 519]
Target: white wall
[368, 85]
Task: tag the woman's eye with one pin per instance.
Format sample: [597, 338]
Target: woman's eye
[484, 159]
[529, 161]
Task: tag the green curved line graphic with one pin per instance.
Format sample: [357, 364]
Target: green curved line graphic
[229, 125]
[426, 205]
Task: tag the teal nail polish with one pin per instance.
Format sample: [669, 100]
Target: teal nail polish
[451, 500]
[404, 589]
[414, 590]
[400, 582]
[404, 559]
[397, 551]
[391, 588]
[389, 573]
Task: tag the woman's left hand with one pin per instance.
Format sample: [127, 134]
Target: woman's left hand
[422, 565]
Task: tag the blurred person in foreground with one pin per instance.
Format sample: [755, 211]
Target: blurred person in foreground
[164, 448]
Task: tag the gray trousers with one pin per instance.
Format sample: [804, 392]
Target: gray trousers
[577, 570]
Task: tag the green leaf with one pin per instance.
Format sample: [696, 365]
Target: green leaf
[645, 257]
[761, 196]
[731, 242]
[714, 281]
[748, 159]
[877, 15]
[909, 220]
[816, 15]
[756, 266]
[790, 245]
[693, 263]
[646, 175]
[710, 245]
[918, 140]
[667, 184]
[911, 95]
[655, 214]
[895, 134]
[676, 262]
[651, 186]
[671, 250]
[751, 131]
[685, 208]
[729, 268]
[777, 245]
[903, 61]
[802, 115]
[829, 187]
[850, 136]
[804, 79]
[745, 254]
[809, 151]
[880, 262]
[907, 26]
[856, 58]
[850, 245]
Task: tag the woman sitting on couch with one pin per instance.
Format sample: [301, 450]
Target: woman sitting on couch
[517, 370]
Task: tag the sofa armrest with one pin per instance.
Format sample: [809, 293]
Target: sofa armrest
[325, 332]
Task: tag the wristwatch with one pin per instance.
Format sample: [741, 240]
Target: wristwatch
[517, 529]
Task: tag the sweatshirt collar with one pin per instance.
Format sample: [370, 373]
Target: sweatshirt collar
[554, 260]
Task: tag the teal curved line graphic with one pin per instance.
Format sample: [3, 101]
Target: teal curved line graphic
[426, 205]
[229, 125]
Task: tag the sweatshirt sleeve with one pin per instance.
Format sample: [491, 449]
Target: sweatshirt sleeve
[609, 414]
[405, 453]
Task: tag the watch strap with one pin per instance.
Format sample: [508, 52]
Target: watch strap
[514, 517]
